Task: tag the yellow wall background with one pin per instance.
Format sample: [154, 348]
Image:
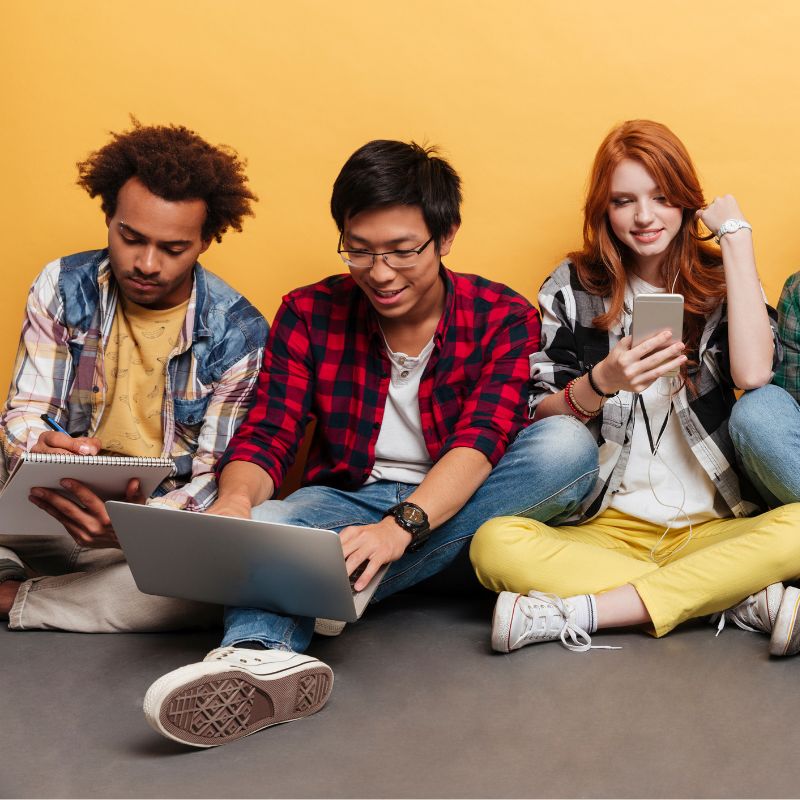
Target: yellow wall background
[517, 94]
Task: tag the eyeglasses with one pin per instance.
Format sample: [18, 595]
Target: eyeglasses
[396, 259]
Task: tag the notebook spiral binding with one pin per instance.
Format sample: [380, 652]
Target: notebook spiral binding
[119, 461]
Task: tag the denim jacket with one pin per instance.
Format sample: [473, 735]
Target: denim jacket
[59, 370]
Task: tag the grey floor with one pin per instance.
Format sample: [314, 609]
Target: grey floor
[420, 708]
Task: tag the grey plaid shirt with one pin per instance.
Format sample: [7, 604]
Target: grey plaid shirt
[570, 345]
[788, 374]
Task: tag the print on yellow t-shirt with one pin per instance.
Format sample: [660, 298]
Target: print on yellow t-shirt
[136, 356]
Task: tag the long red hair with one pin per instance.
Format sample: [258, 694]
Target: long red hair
[604, 261]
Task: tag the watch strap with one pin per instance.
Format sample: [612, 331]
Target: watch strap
[420, 531]
[730, 226]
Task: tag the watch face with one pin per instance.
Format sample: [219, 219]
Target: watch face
[413, 515]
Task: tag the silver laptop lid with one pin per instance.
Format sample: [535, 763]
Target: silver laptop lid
[236, 562]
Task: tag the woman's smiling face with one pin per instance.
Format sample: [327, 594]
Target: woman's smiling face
[640, 215]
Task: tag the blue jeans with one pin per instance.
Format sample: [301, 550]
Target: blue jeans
[543, 475]
[765, 428]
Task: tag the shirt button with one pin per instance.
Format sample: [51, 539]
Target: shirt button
[402, 360]
[95, 389]
[404, 373]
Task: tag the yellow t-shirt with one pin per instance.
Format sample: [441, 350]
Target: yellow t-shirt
[136, 356]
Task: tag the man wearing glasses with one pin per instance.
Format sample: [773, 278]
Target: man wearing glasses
[416, 377]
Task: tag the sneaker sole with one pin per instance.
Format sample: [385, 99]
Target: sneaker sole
[223, 704]
[785, 639]
[774, 597]
[328, 627]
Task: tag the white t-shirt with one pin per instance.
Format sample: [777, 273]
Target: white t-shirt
[400, 451]
[654, 488]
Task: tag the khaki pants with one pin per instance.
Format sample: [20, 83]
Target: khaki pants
[724, 561]
[91, 591]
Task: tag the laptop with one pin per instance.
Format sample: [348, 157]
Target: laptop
[238, 562]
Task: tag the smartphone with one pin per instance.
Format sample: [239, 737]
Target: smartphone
[655, 312]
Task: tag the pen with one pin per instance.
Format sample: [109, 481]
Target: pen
[51, 423]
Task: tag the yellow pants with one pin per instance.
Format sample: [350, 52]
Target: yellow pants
[724, 561]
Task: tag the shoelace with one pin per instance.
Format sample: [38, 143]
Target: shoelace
[722, 616]
[580, 640]
[720, 619]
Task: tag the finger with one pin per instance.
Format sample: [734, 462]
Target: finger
[346, 535]
[660, 356]
[649, 345]
[86, 446]
[64, 505]
[349, 547]
[41, 448]
[355, 560]
[674, 364]
[85, 496]
[79, 445]
[55, 440]
[648, 378]
[374, 564]
[133, 492]
[75, 531]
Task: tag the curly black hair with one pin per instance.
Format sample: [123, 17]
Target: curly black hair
[174, 163]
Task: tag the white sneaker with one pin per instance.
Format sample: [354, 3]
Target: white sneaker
[755, 613]
[785, 639]
[519, 620]
[234, 692]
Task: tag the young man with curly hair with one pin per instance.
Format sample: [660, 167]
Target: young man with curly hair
[134, 349]
[417, 379]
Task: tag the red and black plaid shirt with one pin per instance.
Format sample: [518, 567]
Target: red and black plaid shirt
[325, 359]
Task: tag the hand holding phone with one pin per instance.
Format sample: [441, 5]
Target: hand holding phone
[653, 350]
[653, 313]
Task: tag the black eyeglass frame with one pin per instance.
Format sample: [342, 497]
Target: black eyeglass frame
[341, 251]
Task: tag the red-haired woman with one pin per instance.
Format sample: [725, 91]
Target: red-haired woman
[666, 535]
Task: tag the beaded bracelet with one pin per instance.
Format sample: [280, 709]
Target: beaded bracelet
[596, 388]
[575, 406]
[568, 400]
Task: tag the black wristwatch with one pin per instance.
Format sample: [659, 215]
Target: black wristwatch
[413, 519]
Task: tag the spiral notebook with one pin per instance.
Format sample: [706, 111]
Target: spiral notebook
[107, 476]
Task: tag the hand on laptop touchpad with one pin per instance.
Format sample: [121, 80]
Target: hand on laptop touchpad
[356, 574]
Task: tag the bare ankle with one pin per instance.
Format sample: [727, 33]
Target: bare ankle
[8, 594]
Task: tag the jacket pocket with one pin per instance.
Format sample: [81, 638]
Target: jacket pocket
[190, 413]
